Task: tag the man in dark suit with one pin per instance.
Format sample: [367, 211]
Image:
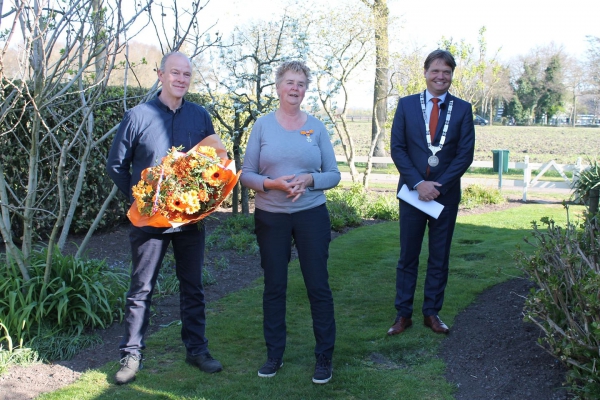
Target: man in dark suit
[431, 158]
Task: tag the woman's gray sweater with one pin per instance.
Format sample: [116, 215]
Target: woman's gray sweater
[273, 151]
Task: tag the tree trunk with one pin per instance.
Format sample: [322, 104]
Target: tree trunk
[367, 173]
[38, 66]
[574, 110]
[96, 222]
[78, 185]
[5, 231]
[60, 181]
[381, 88]
[245, 201]
[99, 48]
[237, 158]
[4, 212]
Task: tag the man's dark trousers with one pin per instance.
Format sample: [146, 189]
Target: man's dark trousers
[412, 230]
[148, 251]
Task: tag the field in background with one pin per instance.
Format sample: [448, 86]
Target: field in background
[542, 144]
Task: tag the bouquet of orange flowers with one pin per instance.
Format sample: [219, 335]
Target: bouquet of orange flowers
[184, 188]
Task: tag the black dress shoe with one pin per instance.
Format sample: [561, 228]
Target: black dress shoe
[400, 326]
[435, 323]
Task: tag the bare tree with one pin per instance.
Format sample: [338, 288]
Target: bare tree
[577, 84]
[593, 62]
[39, 92]
[67, 51]
[340, 44]
[137, 65]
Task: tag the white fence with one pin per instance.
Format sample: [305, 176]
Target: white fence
[526, 166]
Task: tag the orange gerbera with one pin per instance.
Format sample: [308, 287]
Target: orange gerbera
[175, 203]
[211, 175]
[225, 175]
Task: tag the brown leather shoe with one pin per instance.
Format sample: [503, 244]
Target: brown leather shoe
[435, 323]
[400, 326]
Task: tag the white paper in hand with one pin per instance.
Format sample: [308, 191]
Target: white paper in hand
[432, 207]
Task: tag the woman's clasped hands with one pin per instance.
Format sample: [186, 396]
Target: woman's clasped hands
[293, 185]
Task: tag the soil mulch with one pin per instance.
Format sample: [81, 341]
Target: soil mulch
[490, 353]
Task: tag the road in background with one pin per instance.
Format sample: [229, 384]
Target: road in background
[509, 184]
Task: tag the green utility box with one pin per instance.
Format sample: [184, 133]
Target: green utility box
[500, 157]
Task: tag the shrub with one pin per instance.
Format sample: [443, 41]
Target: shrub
[80, 294]
[565, 265]
[384, 206]
[234, 233]
[346, 207]
[478, 195]
[585, 181]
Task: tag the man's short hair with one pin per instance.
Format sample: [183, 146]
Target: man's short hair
[166, 56]
[294, 66]
[439, 54]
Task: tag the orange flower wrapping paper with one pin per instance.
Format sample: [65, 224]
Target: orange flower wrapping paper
[185, 187]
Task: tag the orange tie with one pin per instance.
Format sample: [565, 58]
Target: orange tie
[433, 118]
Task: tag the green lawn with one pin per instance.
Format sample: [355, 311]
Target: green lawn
[367, 363]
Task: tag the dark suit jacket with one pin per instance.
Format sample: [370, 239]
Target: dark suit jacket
[410, 152]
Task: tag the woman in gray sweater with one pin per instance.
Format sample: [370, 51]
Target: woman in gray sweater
[289, 162]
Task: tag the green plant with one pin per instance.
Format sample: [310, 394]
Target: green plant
[208, 278]
[565, 265]
[586, 180]
[234, 233]
[237, 222]
[384, 206]
[167, 282]
[56, 344]
[220, 264]
[81, 294]
[346, 207]
[12, 355]
[478, 195]
[242, 242]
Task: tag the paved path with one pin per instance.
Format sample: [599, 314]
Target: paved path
[509, 184]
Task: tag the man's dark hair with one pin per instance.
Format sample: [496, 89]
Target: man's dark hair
[439, 54]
